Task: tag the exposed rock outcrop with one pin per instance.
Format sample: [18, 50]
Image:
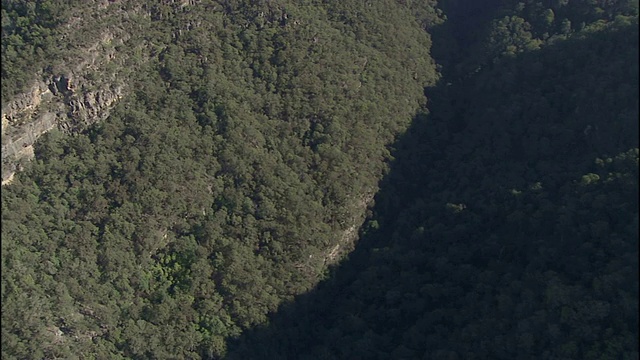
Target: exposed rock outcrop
[56, 104]
[69, 101]
[82, 86]
[48, 106]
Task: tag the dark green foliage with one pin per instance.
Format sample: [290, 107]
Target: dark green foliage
[251, 143]
[30, 37]
[216, 190]
[485, 32]
[506, 229]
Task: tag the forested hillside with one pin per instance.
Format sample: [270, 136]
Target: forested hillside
[199, 219]
[241, 165]
[507, 227]
[45, 38]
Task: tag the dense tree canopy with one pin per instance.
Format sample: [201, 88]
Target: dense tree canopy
[507, 227]
[254, 137]
[252, 142]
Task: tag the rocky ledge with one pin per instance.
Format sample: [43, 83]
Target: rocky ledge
[64, 102]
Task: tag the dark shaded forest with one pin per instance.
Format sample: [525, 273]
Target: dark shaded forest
[239, 166]
[507, 227]
[499, 233]
[200, 219]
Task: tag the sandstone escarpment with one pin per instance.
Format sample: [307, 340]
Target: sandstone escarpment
[69, 102]
[105, 48]
[77, 90]
[46, 107]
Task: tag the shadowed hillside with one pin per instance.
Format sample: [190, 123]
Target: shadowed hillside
[237, 165]
[506, 229]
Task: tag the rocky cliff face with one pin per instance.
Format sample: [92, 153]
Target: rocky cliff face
[92, 83]
[56, 104]
[105, 50]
